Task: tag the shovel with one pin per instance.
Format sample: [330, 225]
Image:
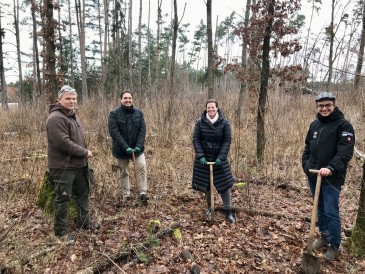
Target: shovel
[211, 221]
[310, 263]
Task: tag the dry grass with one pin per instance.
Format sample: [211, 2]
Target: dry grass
[22, 133]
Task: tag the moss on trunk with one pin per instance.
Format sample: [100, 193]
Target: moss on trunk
[46, 196]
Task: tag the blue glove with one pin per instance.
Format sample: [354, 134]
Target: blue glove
[137, 150]
[218, 162]
[129, 151]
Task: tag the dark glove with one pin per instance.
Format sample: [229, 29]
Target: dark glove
[218, 162]
[203, 161]
[129, 151]
[137, 150]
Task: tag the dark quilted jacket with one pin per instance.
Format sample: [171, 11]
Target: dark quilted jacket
[127, 129]
[212, 141]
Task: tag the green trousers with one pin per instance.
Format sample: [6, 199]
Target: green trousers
[70, 183]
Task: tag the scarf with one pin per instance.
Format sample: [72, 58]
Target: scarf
[215, 118]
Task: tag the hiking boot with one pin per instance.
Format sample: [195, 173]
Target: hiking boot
[143, 198]
[331, 254]
[230, 216]
[320, 243]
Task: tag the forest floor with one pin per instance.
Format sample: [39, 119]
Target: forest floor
[255, 244]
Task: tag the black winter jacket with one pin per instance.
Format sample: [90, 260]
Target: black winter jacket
[212, 141]
[329, 143]
[127, 129]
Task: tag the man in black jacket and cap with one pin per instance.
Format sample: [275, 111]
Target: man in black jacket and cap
[329, 146]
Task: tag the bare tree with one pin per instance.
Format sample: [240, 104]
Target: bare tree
[331, 34]
[210, 50]
[130, 61]
[49, 59]
[140, 48]
[17, 37]
[37, 87]
[360, 58]
[80, 16]
[4, 95]
[243, 67]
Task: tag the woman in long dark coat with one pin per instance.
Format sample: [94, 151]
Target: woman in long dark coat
[212, 140]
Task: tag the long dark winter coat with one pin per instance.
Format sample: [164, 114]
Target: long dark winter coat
[329, 143]
[212, 141]
[127, 129]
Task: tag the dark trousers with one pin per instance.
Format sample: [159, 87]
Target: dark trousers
[70, 183]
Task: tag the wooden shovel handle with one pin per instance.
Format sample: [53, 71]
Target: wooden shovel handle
[314, 210]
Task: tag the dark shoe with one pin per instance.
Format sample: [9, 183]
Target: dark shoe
[331, 254]
[143, 198]
[320, 243]
[67, 237]
[230, 216]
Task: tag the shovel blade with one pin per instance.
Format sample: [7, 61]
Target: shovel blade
[310, 264]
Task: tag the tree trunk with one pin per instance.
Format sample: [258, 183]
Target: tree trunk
[17, 35]
[130, 61]
[4, 95]
[140, 48]
[357, 240]
[360, 58]
[49, 59]
[80, 15]
[331, 34]
[72, 76]
[37, 89]
[265, 70]
[157, 61]
[210, 50]
[244, 67]
[168, 117]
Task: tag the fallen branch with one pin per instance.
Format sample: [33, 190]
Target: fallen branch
[102, 263]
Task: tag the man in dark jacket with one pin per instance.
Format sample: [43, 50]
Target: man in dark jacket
[67, 162]
[329, 146]
[127, 128]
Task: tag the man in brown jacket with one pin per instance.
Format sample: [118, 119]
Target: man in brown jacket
[67, 162]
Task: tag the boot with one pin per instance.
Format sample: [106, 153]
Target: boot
[320, 243]
[331, 254]
[230, 216]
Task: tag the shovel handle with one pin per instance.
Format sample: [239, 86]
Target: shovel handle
[210, 163]
[211, 186]
[314, 210]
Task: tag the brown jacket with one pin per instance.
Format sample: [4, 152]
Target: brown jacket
[66, 145]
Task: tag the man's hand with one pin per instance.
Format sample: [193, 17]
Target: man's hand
[325, 172]
[89, 154]
[203, 161]
[137, 150]
[129, 151]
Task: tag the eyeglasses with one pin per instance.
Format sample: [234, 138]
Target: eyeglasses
[66, 88]
[321, 106]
